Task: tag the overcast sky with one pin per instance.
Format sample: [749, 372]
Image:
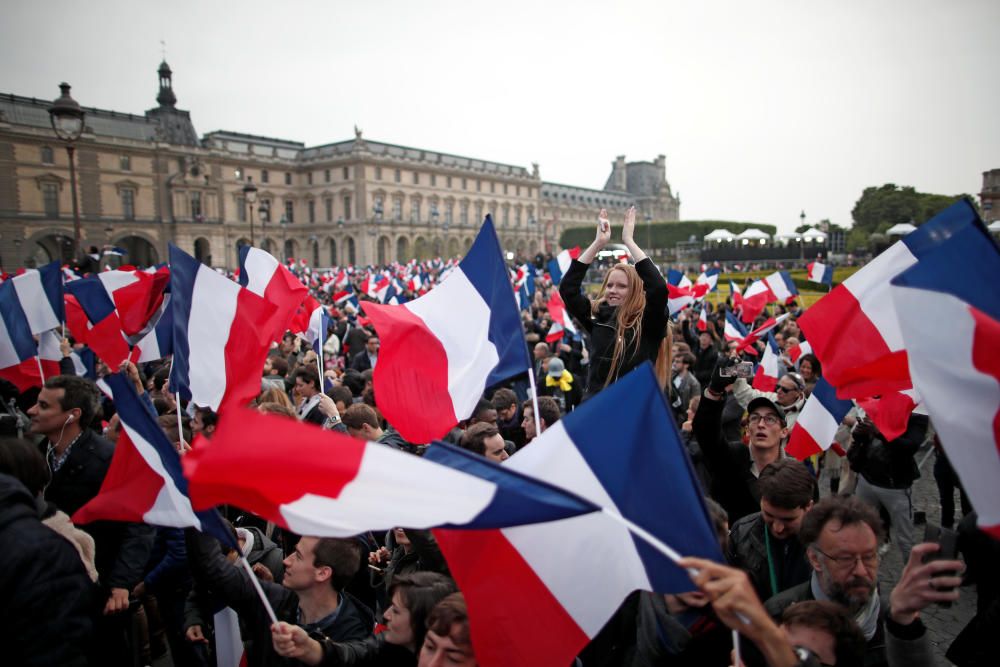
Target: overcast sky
[763, 108]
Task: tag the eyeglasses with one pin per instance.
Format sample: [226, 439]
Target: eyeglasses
[770, 420]
[785, 390]
[868, 560]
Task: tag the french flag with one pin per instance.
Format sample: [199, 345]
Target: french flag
[319, 322]
[758, 333]
[219, 345]
[559, 265]
[710, 278]
[755, 299]
[782, 286]
[338, 486]
[40, 292]
[820, 273]
[891, 412]
[736, 295]
[678, 279]
[93, 319]
[854, 330]
[647, 470]
[956, 368]
[440, 351]
[17, 346]
[816, 427]
[158, 342]
[734, 329]
[766, 376]
[265, 276]
[703, 319]
[795, 352]
[561, 320]
[678, 298]
[303, 315]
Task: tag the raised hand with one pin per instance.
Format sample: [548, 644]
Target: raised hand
[628, 229]
[603, 228]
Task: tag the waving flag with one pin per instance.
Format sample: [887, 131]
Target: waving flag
[734, 328]
[561, 320]
[525, 283]
[337, 486]
[736, 296]
[159, 341]
[782, 286]
[144, 483]
[703, 319]
[678, 279]
[816, 426]
[891, 412]
[440, 351]
[758, 333]
[219, 345]
[114, 251]
[755, 299]
[678, 298]
[17, 347]
[766, 376]
[709, 278]
[956, 368]
[40, 292]
[100, 326]
[854, 330]
[820, 273]
[795, 352]
[263, 275]
[559, 265]
[646, 471]
[319, 323]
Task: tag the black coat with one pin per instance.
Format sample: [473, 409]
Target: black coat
[728, 463]
[748, 551]
[891, 465]
[601, 326]
[360, 361]
[121, 549]
[48, 599]
[231, 584]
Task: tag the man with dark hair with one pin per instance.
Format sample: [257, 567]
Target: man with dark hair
[765, 543]
[342, 397]
[366, 359]
[483, 413]
[827, 631]
[841, 534]
[508, 420]
[361, 421]
[484, 439]
[275, 370]
[308, 388]
[311, 594]
[204, 421]
[79, 460]
[448, 641]
[548, 414]
[685, 384]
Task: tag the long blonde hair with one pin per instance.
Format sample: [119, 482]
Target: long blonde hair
[628, 319]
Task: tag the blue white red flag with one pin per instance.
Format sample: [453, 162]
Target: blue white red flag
[782, 286]
[144, 483]
[40, 292]
[703, 319]
[736, 296]
[319, 322]
[17, 346]
[647, 470]
[114, 251]
[795, 352]
[956, 368]
[770, 324]
[678, 298]
[755, 299]
[158, 342]
[338, 486]
[766, 376]
[820, 273]
[734, 328]
[559, 265]
[263, 275]
[219, 345]
[440, 351]
[562, 321]
[854, 330]
[709, 277]
[816, 426]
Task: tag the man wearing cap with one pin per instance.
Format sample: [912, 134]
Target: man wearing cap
[560, 385]
[734, 467]
[790, 394]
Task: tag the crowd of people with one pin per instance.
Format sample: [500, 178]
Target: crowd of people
[800, 582]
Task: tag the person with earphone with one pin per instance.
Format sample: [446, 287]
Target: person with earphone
[78, 459]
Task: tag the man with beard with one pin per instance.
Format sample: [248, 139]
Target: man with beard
[842, 534]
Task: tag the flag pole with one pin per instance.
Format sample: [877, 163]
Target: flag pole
[259, 589]
[41, 373]
[177, 401]
[534, 400]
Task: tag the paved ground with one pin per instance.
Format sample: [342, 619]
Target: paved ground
[943, 624]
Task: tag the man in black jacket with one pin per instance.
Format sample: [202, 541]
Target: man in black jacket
[48, 599]
[79, 459]
[765, 544]
[311, 594]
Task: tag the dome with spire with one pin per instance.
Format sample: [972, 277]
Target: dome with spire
[166, 96]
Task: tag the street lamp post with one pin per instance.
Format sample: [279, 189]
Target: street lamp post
[250, 196]
[802, 241]
[67, 122]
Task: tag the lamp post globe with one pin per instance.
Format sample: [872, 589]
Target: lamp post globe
[67, 117]
[250, 196]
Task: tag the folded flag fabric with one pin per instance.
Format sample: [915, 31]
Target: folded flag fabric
[266, 277]
[795, 352]
[734, 328]
[766, 376]
[956, 368]
[646, 471]
[854, 330]
[316, 482]
[755, 299]
[678, 279]
[440, 351]
[561, 320]
[17, 346]
[703, 319]
[782, 286]
[769, 325]
[736, 295]
[820, 273]
[144, 483]
[219, 346]
[40, 292]
[100, 326]
[816, 427]
[890, 412]
[559, 265]
[678, 298]
[708, 277]
[159, 341]
[319, 323]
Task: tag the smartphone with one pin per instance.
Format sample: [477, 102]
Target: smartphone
[744, 369]
[947, 540]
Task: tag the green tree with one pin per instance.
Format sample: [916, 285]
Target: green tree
[879, 208]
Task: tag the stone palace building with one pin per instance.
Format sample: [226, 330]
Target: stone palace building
[144, 181]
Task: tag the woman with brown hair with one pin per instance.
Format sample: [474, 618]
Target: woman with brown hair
[627, 321]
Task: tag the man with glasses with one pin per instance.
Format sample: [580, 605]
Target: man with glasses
[841, 534]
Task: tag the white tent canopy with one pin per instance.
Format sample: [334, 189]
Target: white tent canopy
[753, 234]
[994, 226]
[902, 229]
[720, 235]
[813, 234]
